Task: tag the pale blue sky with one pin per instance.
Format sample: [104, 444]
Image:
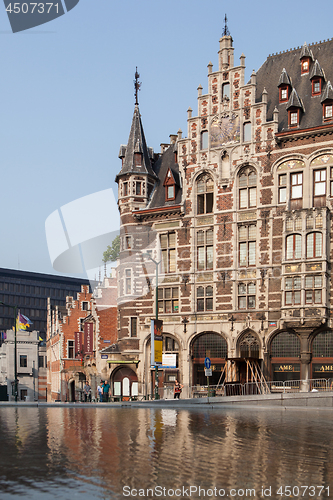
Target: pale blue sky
[67, 93]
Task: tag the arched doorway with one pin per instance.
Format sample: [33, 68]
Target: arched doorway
[71, 390]
[285, 353]
[125, 384]
[247, 363]
[322, 355]
[215, 347]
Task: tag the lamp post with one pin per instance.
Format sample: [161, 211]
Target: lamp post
[156, 395]
[15, 350]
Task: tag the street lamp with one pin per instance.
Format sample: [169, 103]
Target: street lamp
[145, 254]
[15, 350]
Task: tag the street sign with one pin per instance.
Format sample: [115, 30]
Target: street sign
[208, 363]
[208, 372]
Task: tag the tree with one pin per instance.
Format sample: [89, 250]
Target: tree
[111, 254]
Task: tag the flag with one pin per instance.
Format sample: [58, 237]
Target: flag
[22, 322]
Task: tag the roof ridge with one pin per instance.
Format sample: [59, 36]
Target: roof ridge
[300, 47]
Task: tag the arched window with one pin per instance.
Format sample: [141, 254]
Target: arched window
[322, 345]
[247, 183]
[293, 246]
[205, 195]
[210, 344]
[314, 245]
[249, 346]
[285, 345]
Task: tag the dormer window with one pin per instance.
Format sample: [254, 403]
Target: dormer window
[284, 93]
[305, 65]
[328, 111]
[316, 87]
[294, 118]
[170, 186]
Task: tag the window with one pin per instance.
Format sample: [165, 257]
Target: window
[293, 291]
[138, 188]
[319, 182]
[170, 192]
[84, 306]
[128, 281]
[294, 247]
[125, 190]
[134, 322]
[205, 240]
[41, 362]
[314, 245]
[23, 361]
[204, 298]
[247, 245]
[246, 296]
[168, 300]
[205, 195]
[247, 182]
[289, 224]
[283, 91]
[226, 91]
[23, 394]
[128, 242]
[293, 118]
[282, 188]
[70, 349]
[328, 111]
[204, 139]
[168, 250]
[247, 132]
[305, 66]
[296, 191]
[316, 87]
[313, 287]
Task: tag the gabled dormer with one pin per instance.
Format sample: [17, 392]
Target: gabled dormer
[284, 86]
[327, 102]
[306, 58]
[317, 78]
[170, 186]
[294, 108]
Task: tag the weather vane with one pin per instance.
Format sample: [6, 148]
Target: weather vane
[137, 85]
[226, 31]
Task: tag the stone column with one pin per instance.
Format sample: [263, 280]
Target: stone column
[305, 362]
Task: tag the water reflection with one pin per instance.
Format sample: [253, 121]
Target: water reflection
[96, 452]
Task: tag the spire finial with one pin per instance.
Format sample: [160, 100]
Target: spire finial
[226, 31]
[137, 85]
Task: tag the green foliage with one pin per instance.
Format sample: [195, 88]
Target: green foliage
[111, 254]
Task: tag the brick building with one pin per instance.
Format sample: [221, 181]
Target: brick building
[79, 337]
[239, 214]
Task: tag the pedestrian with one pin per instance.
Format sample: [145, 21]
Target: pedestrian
[106, 390]
[177, 390]
[87, 392]
[100, 391]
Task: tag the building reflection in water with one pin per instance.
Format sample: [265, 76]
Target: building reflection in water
[53, 450]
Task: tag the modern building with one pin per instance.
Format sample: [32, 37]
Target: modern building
[30, 291]
[239, 214]
[31, 366]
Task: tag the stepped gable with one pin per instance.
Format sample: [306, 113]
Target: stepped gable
[136, 144]
[161, 167]
[269, 74]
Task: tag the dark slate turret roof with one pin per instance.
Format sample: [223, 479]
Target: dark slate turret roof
[316, 70]
[328, 92]
[294, 100]
[306, 52]
[284, 78]
[136, 144]
[269, 74]
[161, 167]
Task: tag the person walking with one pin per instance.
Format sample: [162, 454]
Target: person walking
[87, 392]
[106, 390]
[177, 389]
[100, 391]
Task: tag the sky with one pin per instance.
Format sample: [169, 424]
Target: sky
[67, 98]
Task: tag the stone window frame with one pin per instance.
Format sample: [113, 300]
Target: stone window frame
[293, 290]
[168, 302]
[293, 246]
[205, 249]
[249, 243]
[133, 326]
[314, 249]
[313, 289]
[168, 252]
[249, 294]
[128, 281]
[205, 195]
[247, 192]
[205, 298]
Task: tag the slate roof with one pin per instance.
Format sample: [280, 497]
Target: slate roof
[161, 167]
[268, 77]
[136, 144]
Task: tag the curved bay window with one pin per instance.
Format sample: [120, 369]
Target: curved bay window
[247, 185]
[215, 347]
[285, 353]
[322, 355]
[205, 194]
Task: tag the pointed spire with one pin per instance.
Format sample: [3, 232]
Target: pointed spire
[284, 78]
[294, 101]
[316, 70]
[136, 145]
[225, 31]
[328, 92]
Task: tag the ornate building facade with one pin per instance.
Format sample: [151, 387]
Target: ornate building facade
[238, 213]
